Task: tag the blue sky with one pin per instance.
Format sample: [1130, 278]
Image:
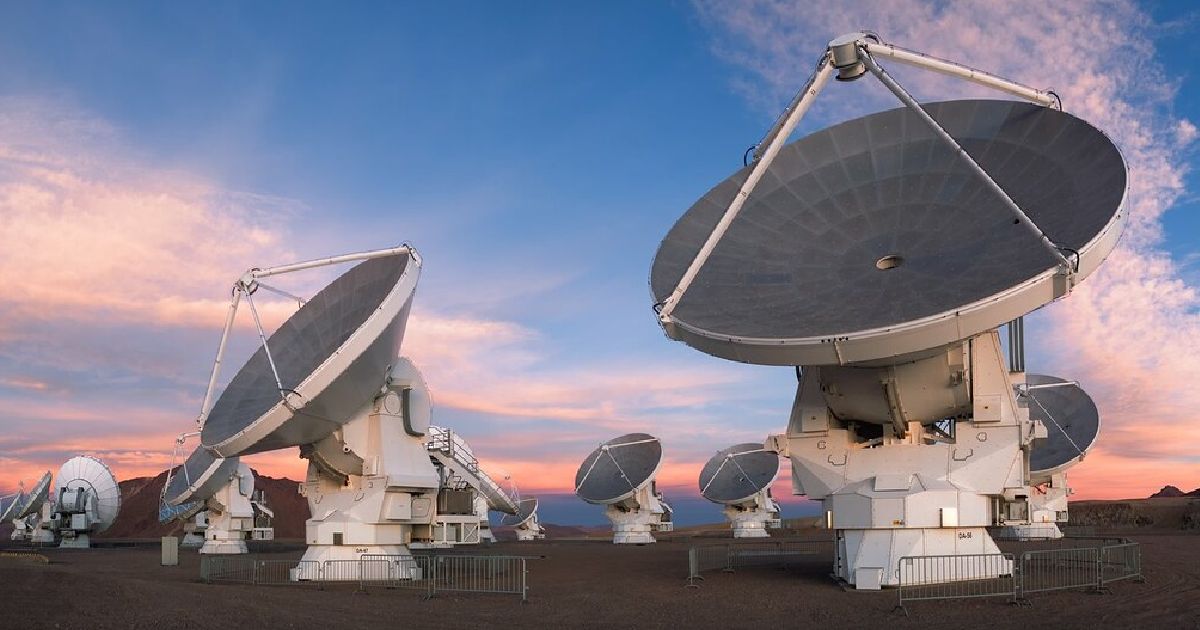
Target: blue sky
[534, 153]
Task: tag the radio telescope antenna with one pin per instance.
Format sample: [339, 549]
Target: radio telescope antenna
[1068, 423]
[740, 478]
[620, 476]
[330, 381]
[9, 504]
[213, 495]
[525, 521]
[879, 256]
[87, 500]
[31, 517]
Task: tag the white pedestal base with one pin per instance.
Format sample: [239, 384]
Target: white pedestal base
[223, 547]
[192, 540]
[870, 558]
[78, 541]
[750, 530]
[335, 562]
[633, 534]
[41, 536]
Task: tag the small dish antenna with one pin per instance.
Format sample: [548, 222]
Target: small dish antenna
[1068, 425]
[620, 476]
[525, 521]
[215, 496]
[740, 478]
[31, 516]
[880, 256]
[87, 500]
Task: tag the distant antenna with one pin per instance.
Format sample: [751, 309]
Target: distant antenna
[620, 476]
[87, 500]
[214, 495]
[740, 478]
[31, 518]
[1068, 425]
[525, 521]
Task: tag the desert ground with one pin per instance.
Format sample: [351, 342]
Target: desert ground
[573, 583]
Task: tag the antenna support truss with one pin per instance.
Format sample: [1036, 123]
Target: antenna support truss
[851, 56]
[247, 285]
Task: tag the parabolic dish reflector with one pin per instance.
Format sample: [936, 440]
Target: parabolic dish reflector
[1072, 425]
[618, 469]
[528, 507]
[200, 477]
[36, 497]
[872, 239]
[738, 473]
[11, 506]
[88, 473]
[332, 355]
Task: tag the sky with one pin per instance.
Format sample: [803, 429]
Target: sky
[535, 154]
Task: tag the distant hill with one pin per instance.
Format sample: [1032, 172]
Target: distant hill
[139, 508]
[1171, 492]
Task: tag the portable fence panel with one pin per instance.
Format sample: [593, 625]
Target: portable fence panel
[340, 571]
[227, 569]
[956, 577]
[479, 574]
[286, 571]
[394, 571]
[1120, 562]
[1059, 569]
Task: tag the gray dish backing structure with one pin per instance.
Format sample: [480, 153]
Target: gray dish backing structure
[874, 225]
[1072, 424]
[618, 468]
[36, 497]
[327, 379]
[737, 473]
[528, 506]
[88, 473]
[199, 478]
[9, 507]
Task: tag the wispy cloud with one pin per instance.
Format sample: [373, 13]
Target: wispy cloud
[1131, 333]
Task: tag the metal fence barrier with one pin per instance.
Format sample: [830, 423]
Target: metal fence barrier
[1059, 569]
[244, 570]
[1120, 562]
[731, 556]
[1015, 576]
[956, 577]
[429, 573]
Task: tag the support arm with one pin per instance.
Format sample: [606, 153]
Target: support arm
[776, 138]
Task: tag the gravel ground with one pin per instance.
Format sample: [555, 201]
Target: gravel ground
[576, 583]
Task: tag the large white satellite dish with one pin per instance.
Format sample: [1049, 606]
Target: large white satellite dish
[619, 475]
[329, 380]
[879, 256]
[87, 500]
[740, 478]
